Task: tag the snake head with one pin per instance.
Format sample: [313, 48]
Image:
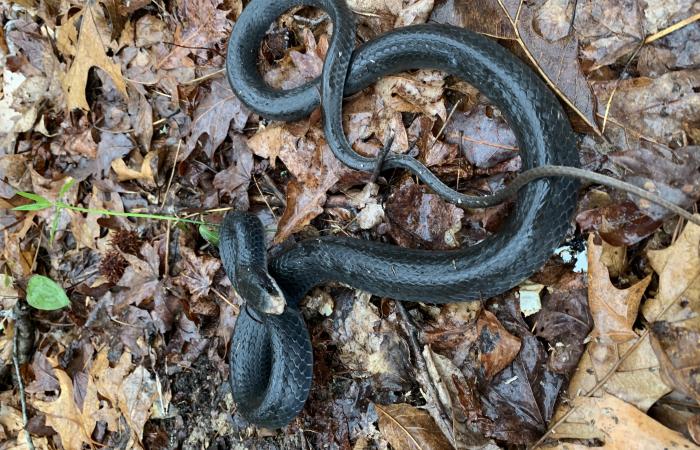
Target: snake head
[260, 290]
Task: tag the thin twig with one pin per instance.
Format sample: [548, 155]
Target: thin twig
[382, 156]
[411, 331]
[672, 28]
[20, 384]
[172, 174]
[444, 125]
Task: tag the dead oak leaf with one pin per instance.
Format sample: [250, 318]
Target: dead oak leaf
[614, 310]
[408, 427]
[90, 52]
[64, 416]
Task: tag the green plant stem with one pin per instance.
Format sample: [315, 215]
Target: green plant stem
[61, 205]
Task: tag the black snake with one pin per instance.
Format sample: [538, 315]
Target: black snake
[271, 356]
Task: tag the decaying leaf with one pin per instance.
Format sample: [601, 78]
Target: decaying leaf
[520, 399]
[564, 321]
[90, 52]
[663, 109]
[406, 426]
[423, 220]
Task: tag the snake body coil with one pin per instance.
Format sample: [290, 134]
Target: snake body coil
[271, 358]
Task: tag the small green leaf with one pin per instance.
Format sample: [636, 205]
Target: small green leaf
[54, 223]
[44, 293]
[32, 207]
[66, 187]
[32, 196]
[209, 234]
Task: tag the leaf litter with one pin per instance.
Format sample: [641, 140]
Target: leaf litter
[132, 103]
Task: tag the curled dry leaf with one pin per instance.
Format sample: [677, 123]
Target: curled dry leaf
[408, 427]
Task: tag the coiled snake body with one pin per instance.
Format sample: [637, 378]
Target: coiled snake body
[271, 357]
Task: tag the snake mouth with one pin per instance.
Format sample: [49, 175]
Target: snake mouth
[272, 300]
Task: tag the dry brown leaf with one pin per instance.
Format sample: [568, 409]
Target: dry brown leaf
[131, 392]
[90, 52]
[146, 173]
[204, 24]
[614, 310]
[617, 425]
[63, 415]
[637, 380]
[407, 427]
[663, 109]
[215, 113]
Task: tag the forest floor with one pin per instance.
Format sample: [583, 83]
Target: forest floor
[124, 106]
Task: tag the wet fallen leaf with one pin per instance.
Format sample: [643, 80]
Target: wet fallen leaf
[565, 321]
[483, 135]
[89, 53]
[459, 397]
[520, 399]
[406, 426]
